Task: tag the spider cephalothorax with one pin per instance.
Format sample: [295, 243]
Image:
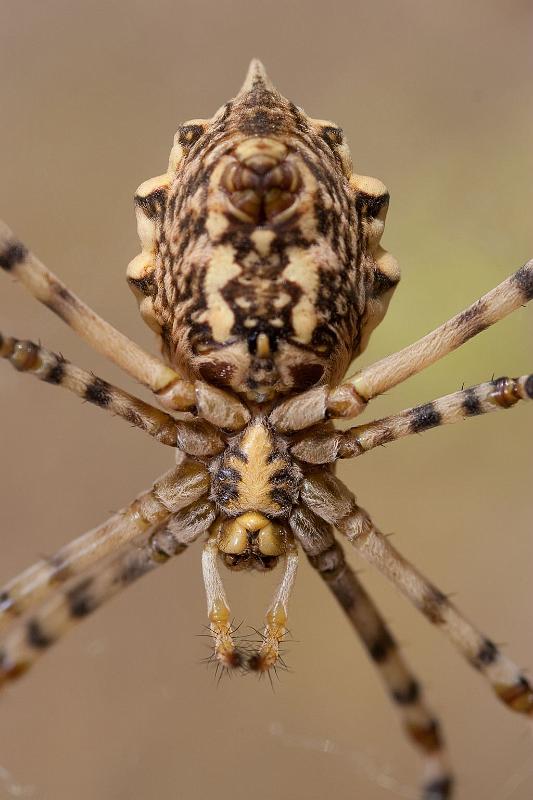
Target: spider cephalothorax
[262, 273]
[261, 265]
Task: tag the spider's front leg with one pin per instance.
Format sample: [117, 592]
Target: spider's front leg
[17, 260]
[194, 437]
[319, 446]
[172, 391]
[26, 356]
[350, 398]
[332, 501]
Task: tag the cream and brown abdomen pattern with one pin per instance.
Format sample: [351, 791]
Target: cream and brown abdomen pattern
[261, 265]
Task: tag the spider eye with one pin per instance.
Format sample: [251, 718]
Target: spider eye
[188, 135]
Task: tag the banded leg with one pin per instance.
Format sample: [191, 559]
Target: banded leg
[277, 615]
[16, 259]
[419, 723]
[322, 447]
[176, 490]
[350, 398]
[332, 501]
[195, 437]
[20, 648]
[172, 391]
[326, 556]
[29, 357]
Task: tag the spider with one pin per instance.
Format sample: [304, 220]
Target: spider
[263, 276]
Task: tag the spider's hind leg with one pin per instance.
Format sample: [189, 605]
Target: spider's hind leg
[332, 501]
[327, 557]
[33, 636]
[419, 723]
[26, 356]
[181, 488]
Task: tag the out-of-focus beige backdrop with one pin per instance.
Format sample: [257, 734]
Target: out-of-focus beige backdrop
[436, 100]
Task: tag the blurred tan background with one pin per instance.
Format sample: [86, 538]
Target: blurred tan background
[435, 99]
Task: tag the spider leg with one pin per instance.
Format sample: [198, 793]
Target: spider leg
[173, 392]
[16, 259]
[29, 357]
[277, 615]
[350, 398]
[321, 447]
[176, 490]
[331, 500]
[195, 437]
[218, 608]
[327, 557]
[32, 637]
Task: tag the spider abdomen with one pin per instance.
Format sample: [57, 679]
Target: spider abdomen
[261, 267]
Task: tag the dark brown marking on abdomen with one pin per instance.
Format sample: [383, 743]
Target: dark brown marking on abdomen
[306, 375]
[218, 373]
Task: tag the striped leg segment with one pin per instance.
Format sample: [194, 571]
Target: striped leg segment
[350, 398]
[172, 391]
[16, 259]
[327, 557]
[30, 638]
[176, 490]
[512, 293]
[331, 500]
[323, 447]
[49, 367]
[418, 721]
[195, 437]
